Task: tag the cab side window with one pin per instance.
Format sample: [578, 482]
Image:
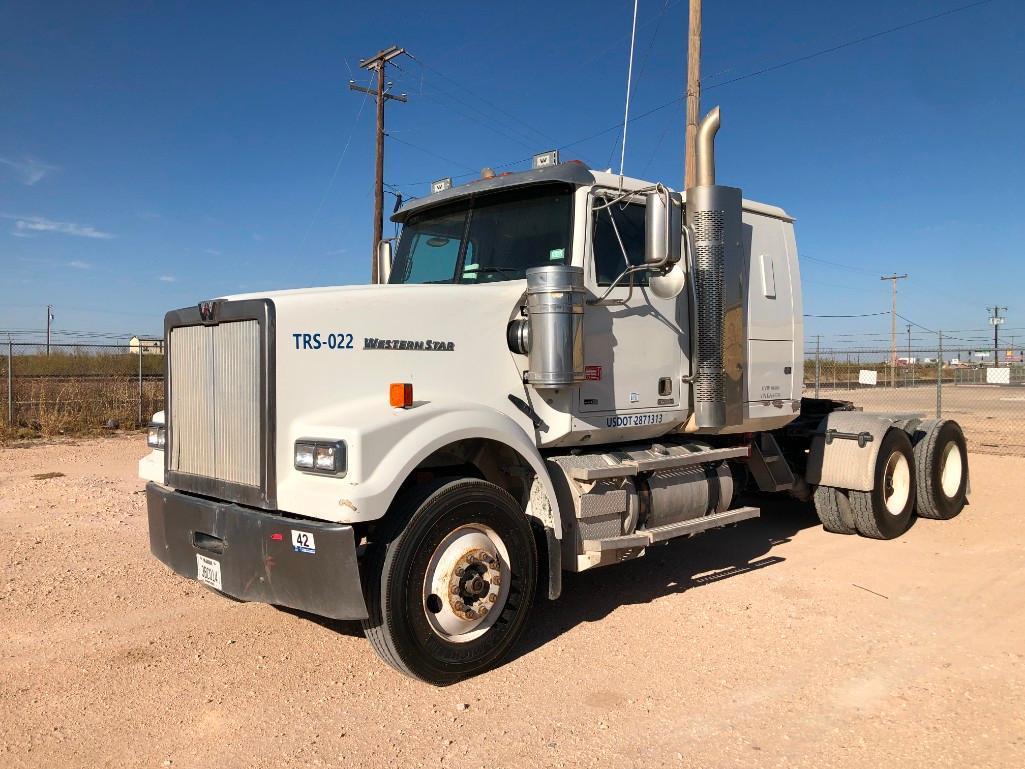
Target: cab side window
[610, 225]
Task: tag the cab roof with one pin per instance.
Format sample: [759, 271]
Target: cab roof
[573, 172]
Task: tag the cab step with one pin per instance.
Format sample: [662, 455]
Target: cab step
[668, 456]
[646, 537]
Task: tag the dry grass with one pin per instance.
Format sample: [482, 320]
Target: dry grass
[78, 390]
[47, 407]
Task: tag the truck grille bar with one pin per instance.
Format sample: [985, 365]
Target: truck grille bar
[219, 386]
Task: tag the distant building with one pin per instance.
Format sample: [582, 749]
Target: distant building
[146, 345]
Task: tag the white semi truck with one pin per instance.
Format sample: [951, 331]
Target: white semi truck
[564, 368]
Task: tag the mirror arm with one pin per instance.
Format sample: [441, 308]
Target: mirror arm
[654, 266]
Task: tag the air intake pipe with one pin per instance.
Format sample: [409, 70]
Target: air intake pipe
[713, 221]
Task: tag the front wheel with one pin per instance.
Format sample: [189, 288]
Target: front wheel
[448, 594]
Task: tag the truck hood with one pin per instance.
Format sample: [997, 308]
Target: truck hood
[339, 347]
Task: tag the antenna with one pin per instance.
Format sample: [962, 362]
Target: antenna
[626, 109]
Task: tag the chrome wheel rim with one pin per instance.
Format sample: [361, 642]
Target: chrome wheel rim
[467, 583]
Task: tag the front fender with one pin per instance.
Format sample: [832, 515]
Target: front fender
[384, 447]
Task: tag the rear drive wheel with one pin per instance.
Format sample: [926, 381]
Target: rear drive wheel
[885, 511]
[834, 510]
[448, 594]
[941, 465]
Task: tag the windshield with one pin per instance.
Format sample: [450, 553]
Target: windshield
[491, 238]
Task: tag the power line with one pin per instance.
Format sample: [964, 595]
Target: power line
[863, 315]
[521, 140]
[755, 73]
[849, 43]
[480, 98]
[395, 138]
[804, 257]
[338, 165]
[919, 325]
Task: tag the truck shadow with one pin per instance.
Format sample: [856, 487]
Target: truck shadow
[676, 567]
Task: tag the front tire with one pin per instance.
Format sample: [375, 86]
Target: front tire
[448, 593]
[885, 511]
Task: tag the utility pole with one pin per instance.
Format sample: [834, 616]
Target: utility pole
[378, 62]
[893, 321]
[49, 318]
[995, 320]
[911, 366]
[690, 171]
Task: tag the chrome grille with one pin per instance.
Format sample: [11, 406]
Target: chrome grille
[214, 390]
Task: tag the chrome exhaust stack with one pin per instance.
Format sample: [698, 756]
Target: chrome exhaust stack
[713, 215]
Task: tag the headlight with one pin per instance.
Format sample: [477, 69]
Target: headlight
[157, 437]
[320, 456]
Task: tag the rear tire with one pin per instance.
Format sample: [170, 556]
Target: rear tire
[449, 592]
[941, 467]
[834, 510]
[885, 511]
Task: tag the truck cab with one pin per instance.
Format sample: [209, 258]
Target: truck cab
[564, 368]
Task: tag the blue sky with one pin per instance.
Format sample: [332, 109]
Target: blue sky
[155, 154]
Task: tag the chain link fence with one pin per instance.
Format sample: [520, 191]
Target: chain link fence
[64, 389]
[982, 389]
[61, 389]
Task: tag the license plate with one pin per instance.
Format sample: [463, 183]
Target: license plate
[208, 571]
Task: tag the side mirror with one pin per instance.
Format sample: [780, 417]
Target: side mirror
[663, 228]
[384, 258]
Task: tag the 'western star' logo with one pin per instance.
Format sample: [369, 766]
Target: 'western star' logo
[431, 345]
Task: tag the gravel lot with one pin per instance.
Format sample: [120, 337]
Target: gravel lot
[768, 644]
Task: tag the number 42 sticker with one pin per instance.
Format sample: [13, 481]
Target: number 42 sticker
[303, 542]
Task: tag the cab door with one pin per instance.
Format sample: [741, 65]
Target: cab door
[635, 342]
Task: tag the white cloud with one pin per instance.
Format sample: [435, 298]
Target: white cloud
[167, 279]
[337, 252]
[26, 226]
[79, 265]
[29, 170]
[213, 252]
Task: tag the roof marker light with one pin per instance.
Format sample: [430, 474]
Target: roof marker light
[546, 159]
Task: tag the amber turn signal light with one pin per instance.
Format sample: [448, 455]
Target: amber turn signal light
[400, 395]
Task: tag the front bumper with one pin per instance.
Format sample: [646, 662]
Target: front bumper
[258, 561]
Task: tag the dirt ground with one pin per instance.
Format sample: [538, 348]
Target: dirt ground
[769, 644]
